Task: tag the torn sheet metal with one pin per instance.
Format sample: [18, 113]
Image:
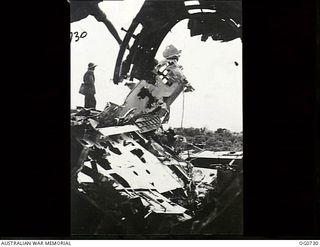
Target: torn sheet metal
[135, 176]
[145, 171]
[160, 204]
[148, 123]
[218, 155]
[115, 130]
[155, 202]
[152, 98]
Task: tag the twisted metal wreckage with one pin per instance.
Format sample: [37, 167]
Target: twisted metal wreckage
[125, 177]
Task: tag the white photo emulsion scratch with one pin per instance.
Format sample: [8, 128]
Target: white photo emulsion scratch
[156, 118]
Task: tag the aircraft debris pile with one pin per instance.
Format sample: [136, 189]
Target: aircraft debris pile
[126, 175]
[136, 181]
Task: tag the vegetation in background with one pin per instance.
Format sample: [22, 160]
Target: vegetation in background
[219, 140]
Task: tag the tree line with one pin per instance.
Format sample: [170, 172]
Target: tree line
[220, 140]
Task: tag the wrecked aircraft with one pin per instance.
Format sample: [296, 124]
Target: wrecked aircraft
[125, 178]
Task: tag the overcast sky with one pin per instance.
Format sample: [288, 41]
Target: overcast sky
[209, 66]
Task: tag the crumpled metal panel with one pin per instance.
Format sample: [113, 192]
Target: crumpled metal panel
[114, 130]
[136, 165]
[155, 202]
[147, 98]
[144, 172]
[218, 155]
[148, 122]
[160, 204]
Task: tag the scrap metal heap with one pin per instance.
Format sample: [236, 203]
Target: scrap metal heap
[137, 184]
[126, 176]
